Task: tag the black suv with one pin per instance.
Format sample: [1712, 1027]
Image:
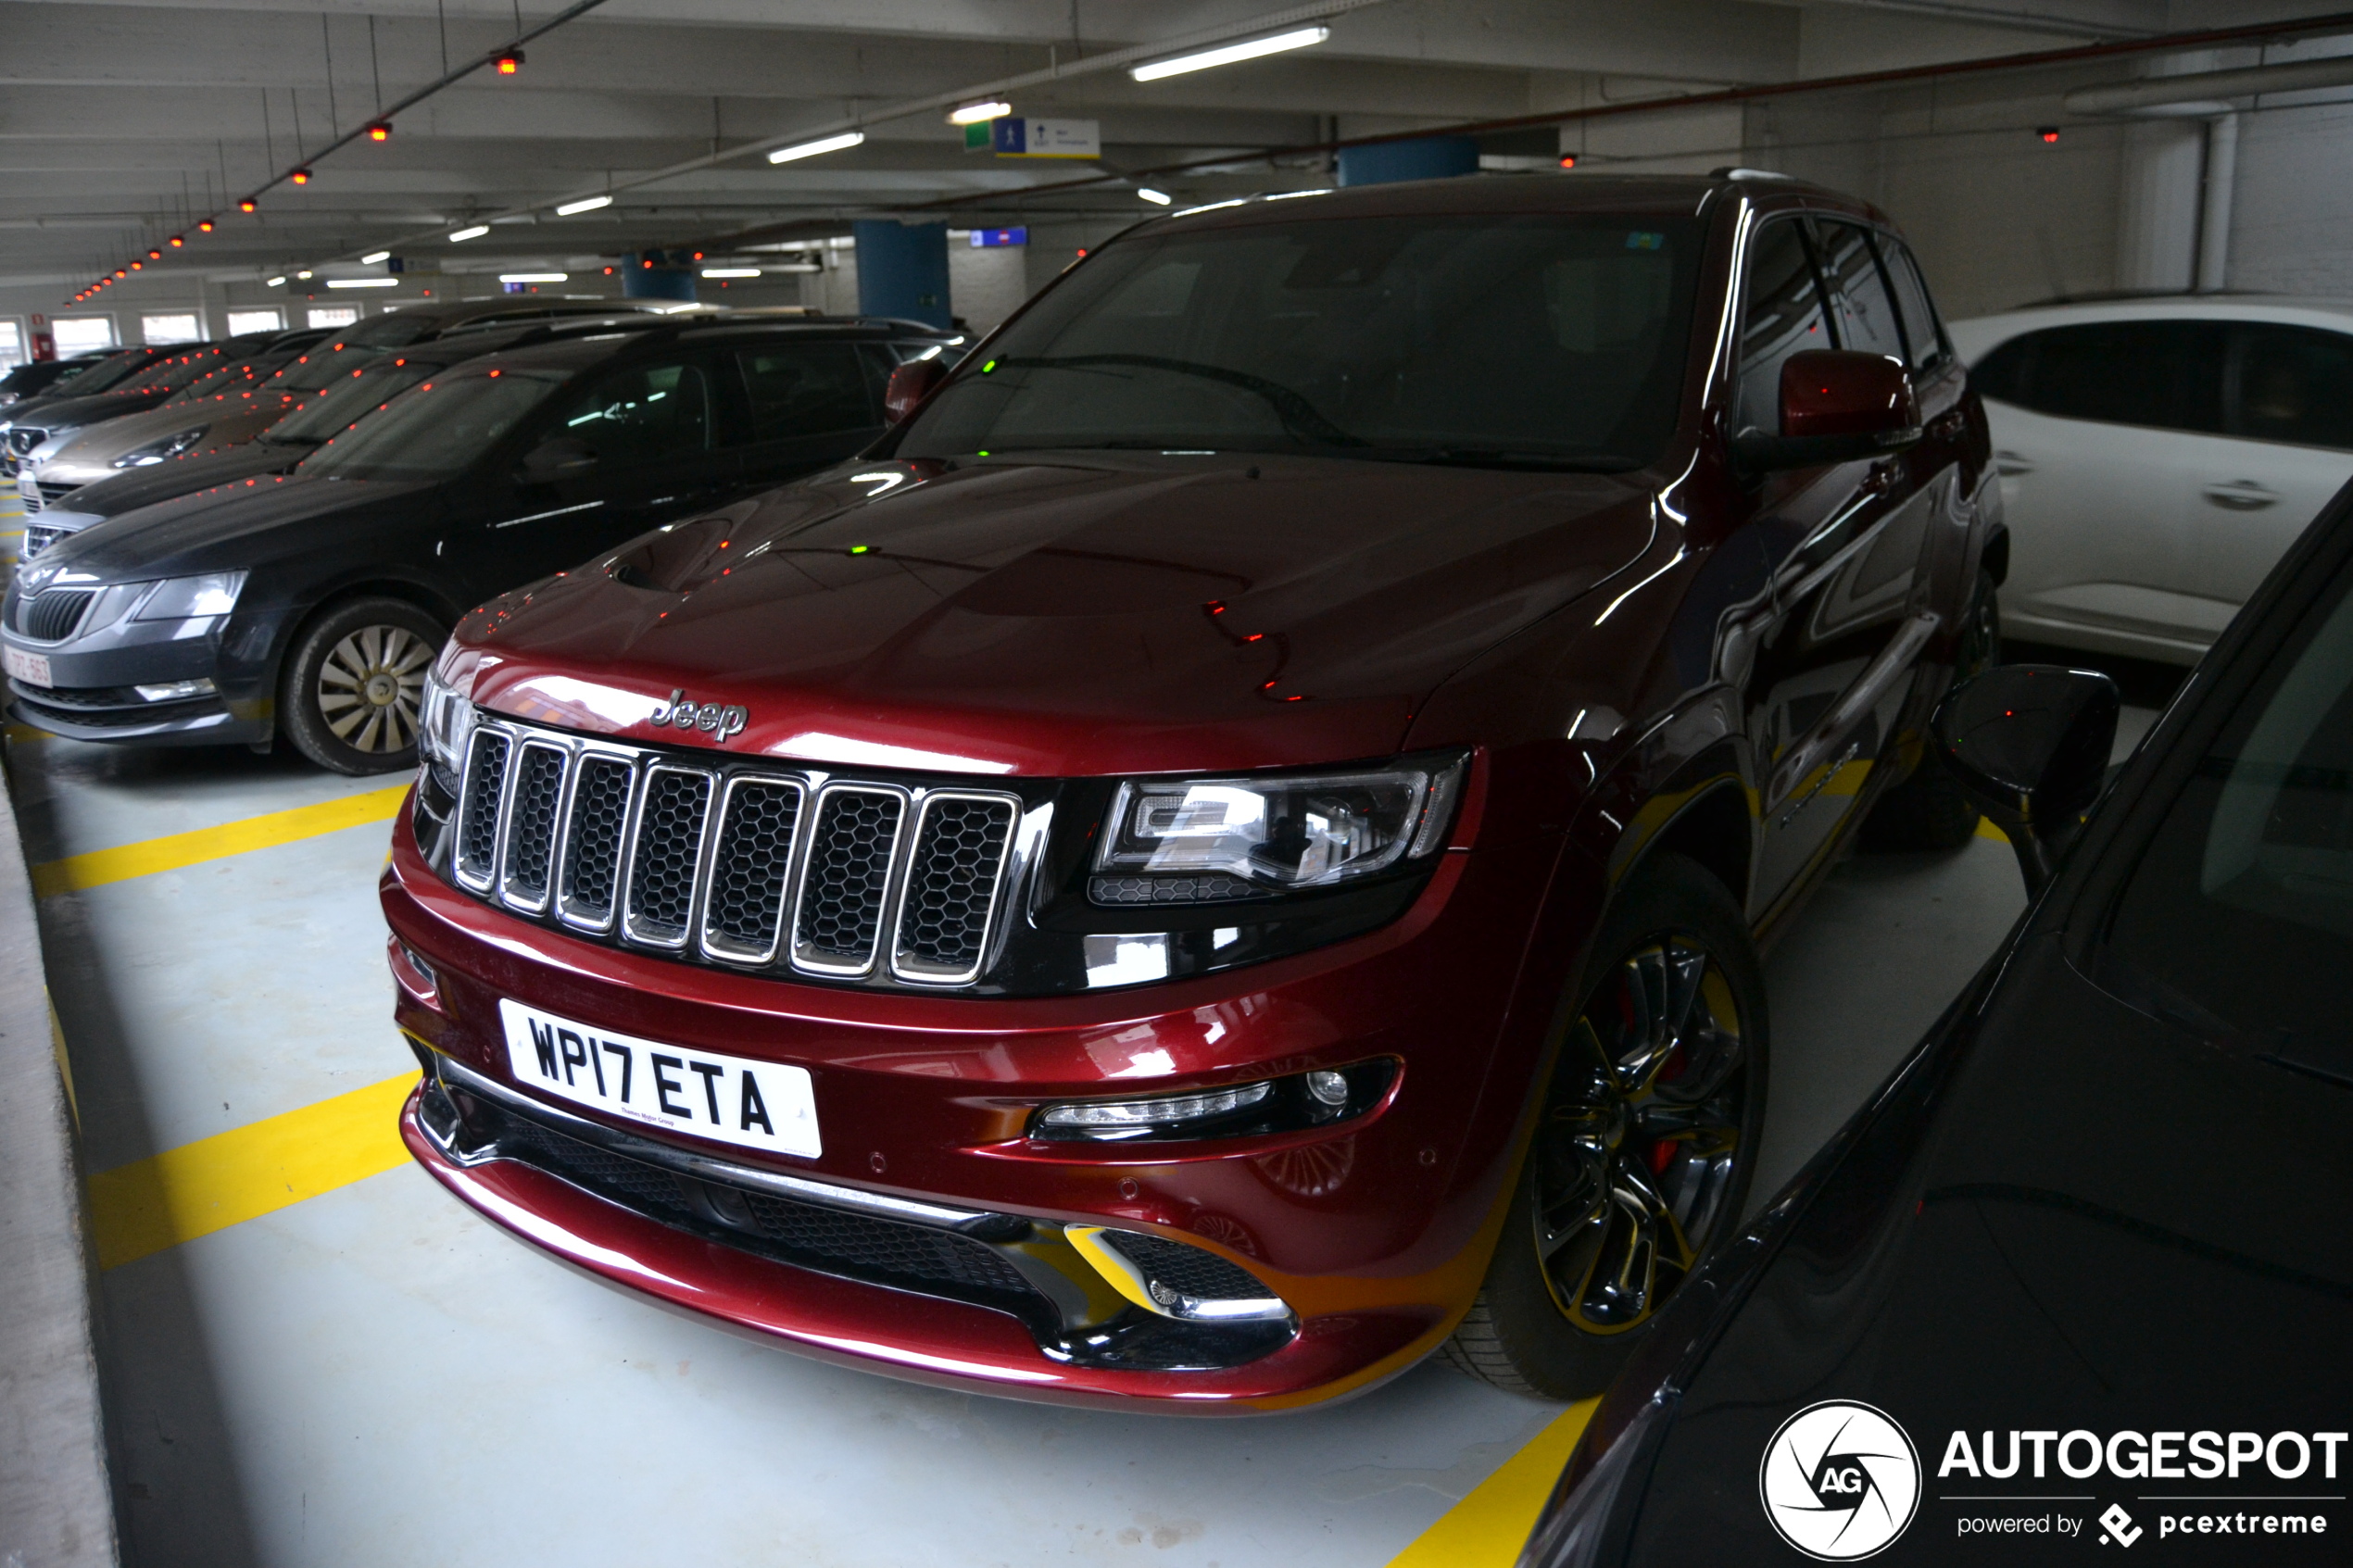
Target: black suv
[310, 602]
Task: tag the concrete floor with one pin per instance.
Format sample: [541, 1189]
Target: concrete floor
[375, 1376]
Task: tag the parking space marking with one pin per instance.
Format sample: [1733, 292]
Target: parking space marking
[151, 1204]
[95, 868]
[1489, 1525]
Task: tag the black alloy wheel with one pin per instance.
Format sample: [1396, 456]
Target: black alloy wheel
[1928, 810]
[1644, 1147]
[354, 686]
[1641, 1139]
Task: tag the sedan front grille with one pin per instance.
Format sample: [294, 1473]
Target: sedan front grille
[38, 538]
[52, 615]
[51, 493]
[737, 862]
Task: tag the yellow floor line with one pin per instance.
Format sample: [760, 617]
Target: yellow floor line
[1986, 829]
[145, 1207]
[94, 868]
[23, 732]
[1486, 1529]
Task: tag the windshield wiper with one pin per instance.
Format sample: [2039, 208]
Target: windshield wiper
[1299, 415]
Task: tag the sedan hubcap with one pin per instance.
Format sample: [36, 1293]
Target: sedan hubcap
[370, 686]
[1641, 1136]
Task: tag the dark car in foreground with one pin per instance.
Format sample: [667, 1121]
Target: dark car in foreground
[307, 604]
[1223, 856]
[2082, 1273]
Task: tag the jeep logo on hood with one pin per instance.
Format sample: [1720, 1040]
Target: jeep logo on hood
[709, 717]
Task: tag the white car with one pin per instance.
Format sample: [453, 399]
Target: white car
[2157, 456]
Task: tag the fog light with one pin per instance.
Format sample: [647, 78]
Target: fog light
[1327, 1088]
[175, 691]
[1117, 1118]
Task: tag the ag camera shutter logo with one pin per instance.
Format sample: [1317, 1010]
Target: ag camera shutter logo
[1840, 1481]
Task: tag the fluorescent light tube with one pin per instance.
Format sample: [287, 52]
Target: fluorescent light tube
[474, 233]
[274, 283]
[534, 277]
[972, 114]
[822, 144]
[374, 257]
[1158, 198]
[731, 271]
[587, 203]
[363, 282]
[1227, 53]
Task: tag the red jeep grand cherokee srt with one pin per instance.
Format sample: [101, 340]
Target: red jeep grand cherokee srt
[1224, 853]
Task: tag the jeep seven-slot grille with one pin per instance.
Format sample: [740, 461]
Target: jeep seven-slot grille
[735, 862]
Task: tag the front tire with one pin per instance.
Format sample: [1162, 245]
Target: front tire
[1644, 1145]
[355, 682]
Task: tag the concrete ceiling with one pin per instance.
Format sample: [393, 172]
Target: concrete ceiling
[121, 124]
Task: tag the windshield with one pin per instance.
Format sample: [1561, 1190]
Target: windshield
[2239, 917]
[174, 373]
[220, 378]
[321, 367]
[1553, 339]
[102, 376]
[435, 429]
[359, 392]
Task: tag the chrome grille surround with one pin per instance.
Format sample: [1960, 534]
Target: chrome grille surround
[741, 864]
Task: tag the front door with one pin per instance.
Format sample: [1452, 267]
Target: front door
[1836, 669]
[654, 431]
[2288, 399]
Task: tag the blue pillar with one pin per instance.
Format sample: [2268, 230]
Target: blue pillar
[1425, 157]
[669, 278]
[902, 269]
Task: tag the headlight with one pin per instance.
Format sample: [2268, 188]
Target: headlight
[189, 599]
[443, 725]
[156, 451]
[1194, 841]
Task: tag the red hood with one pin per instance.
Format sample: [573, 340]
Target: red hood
[1084, 615]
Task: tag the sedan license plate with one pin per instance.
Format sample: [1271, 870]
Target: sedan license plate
[30, 668]
[762, 1105]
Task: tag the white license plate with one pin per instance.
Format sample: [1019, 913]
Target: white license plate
[761, 1104]
[30, 667]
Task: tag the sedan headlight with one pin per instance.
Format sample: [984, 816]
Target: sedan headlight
[191, 598]
[1208, 840]
[158, 451]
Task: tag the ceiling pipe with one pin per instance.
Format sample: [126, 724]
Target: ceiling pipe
[1996, 16]
[2197, 92]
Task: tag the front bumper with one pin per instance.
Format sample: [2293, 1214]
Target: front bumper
[1374, 1231]
[94, 676]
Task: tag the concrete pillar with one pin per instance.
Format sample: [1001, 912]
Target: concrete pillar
[2157, 220]
[2214, 217]
[903, 271]
[1427, 157]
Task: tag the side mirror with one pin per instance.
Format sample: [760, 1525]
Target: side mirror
[1837, 407]
[910, 384]
[565, 457]
[2029, 743]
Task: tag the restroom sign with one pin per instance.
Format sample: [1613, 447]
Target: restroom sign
[1017, 137]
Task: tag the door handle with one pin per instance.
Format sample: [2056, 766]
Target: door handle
[1948, 424]
[2010, 464]
[1882, 478]
[2240, 496]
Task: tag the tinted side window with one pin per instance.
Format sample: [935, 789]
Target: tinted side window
[1784, 314]
[2165, 375]
[1866, 319]
[807, 389]
[648, 414]
[1911, 302]
[2293, 384]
